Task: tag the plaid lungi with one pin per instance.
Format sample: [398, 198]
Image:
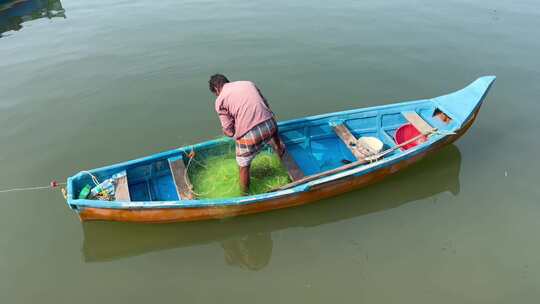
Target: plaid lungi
[251, 143]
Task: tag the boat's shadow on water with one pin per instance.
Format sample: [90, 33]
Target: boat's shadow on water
[247, 241]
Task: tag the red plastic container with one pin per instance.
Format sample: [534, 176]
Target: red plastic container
[407, 132]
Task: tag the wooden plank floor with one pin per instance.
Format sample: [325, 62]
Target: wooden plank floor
[292, 167]
[178, 170]
[121, 191]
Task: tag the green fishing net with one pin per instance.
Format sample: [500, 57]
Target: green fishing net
[217, 176]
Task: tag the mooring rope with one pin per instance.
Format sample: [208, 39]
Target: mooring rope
[52, 185]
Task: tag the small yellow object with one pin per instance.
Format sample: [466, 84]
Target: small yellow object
[104, 196]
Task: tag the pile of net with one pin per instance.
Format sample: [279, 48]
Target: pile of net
[217, 176]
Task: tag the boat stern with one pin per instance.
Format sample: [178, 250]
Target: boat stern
[72, 189]
[69, 192]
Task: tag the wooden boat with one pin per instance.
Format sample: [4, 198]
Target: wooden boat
[322, 157]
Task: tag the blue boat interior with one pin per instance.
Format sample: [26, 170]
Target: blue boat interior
[316, 147]
[312, 142]
[152, 182]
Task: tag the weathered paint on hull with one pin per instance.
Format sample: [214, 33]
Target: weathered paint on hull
[316, 193]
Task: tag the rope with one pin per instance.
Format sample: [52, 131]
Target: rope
[31, 188]
[94, 178]
[191, 157]
[52, 185]
[442, 132]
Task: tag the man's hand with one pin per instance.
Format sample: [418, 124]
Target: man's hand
[228, 132]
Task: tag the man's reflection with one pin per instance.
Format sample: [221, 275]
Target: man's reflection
[251, 252]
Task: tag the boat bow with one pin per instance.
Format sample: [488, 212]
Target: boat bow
[461, 104]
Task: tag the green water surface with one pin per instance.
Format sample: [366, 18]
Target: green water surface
[106, 81]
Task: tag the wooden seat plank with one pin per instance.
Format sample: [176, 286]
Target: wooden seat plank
[295, 173]
[418, 122]
[178, 170]
[121, 190]
[357, 149]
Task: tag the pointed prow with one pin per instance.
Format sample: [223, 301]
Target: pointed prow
[461, 104]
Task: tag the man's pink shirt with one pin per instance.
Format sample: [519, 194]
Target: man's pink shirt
[241, 107]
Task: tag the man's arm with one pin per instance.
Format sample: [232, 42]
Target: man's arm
[227, 124]
[227, 121]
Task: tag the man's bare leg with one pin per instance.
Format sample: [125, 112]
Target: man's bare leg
[244, 179]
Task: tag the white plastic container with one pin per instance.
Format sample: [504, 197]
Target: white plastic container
[374, 144]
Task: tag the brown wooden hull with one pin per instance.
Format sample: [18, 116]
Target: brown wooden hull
[316, 193]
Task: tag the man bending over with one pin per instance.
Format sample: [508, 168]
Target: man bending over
[245, 115]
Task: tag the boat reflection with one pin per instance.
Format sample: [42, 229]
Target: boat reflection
[247, 241]
[15, 12]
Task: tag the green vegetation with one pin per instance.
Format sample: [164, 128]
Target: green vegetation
[217, 176]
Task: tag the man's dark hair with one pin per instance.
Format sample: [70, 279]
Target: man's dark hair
[216, 82]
